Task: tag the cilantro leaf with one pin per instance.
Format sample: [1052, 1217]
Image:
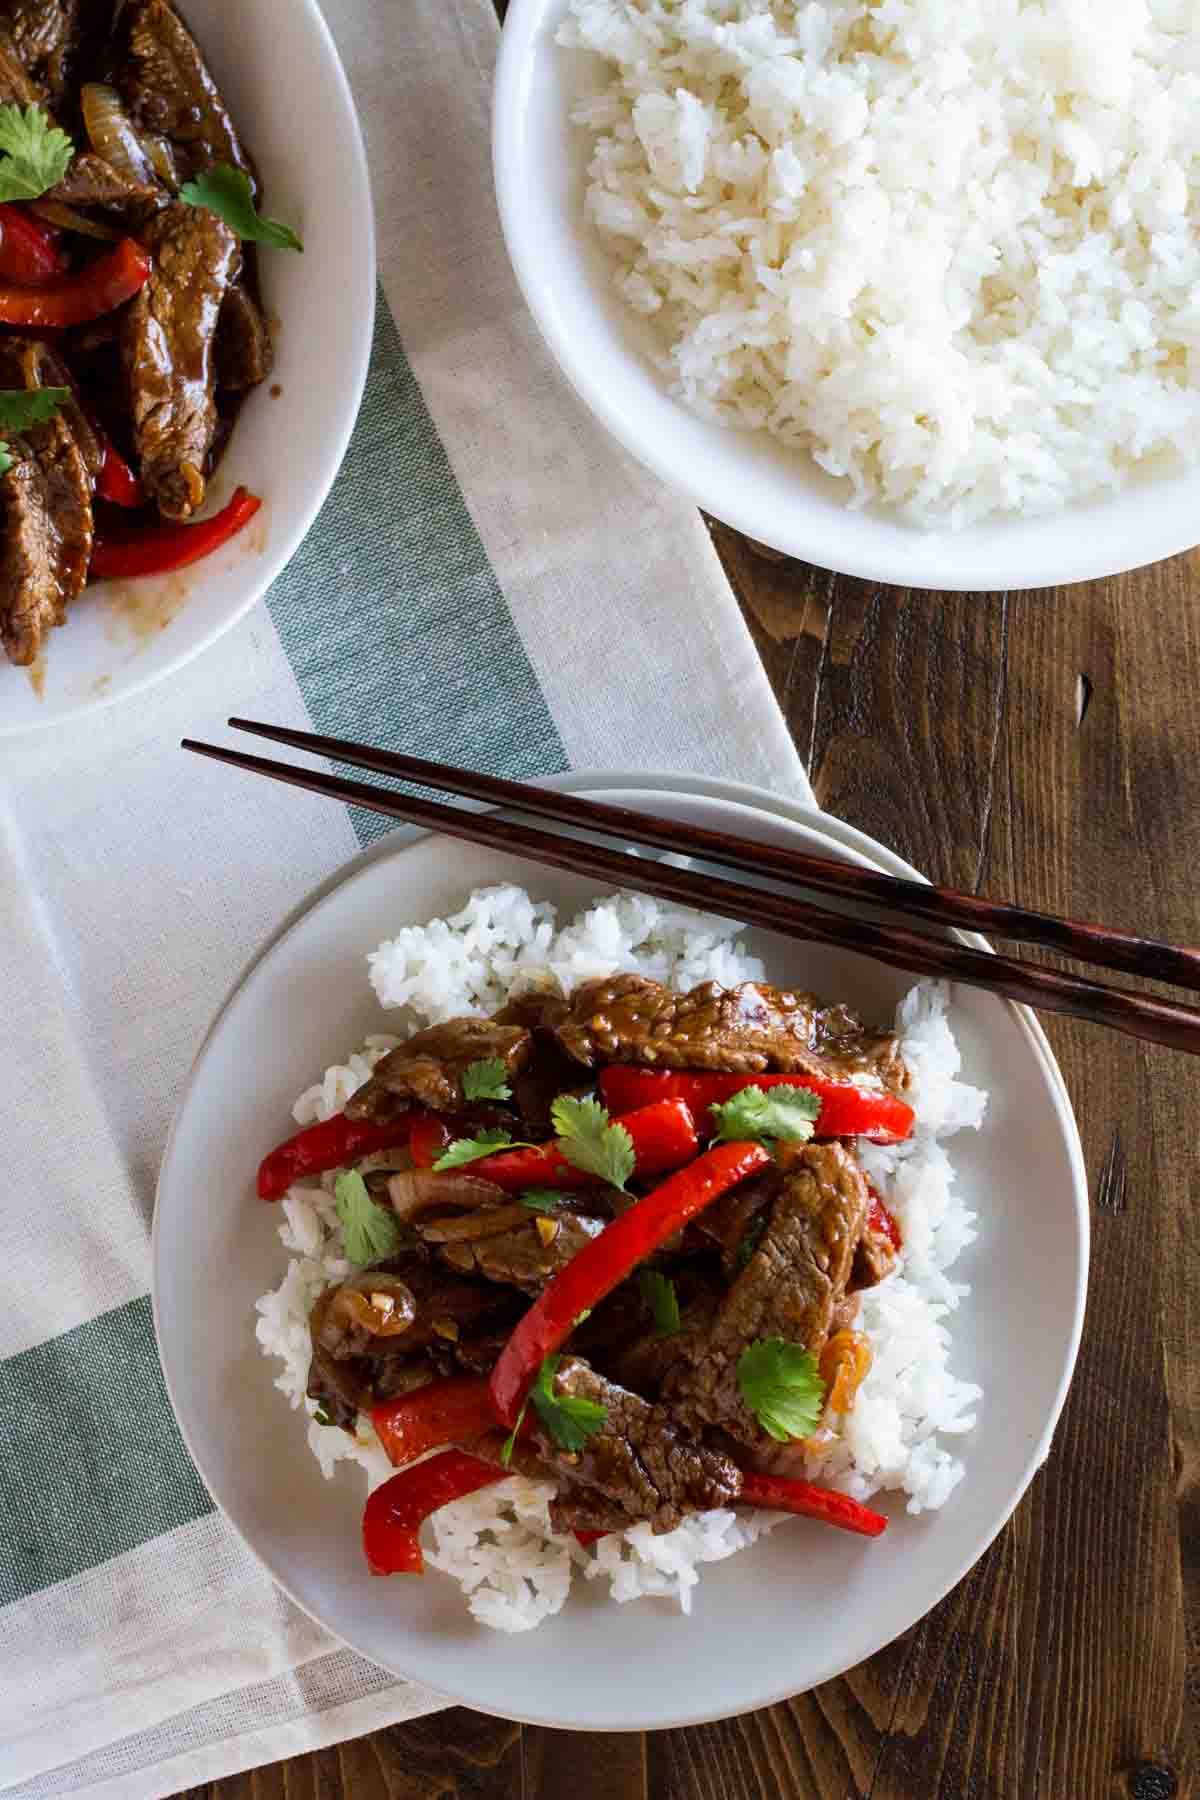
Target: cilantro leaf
[485, 1080]
[542, 1200]
[777, 1112]
[22, 407]
[781, 1386]
[748, 1245]
[568, 1418]
[35, 153]
[510, 1442]
[372, 1232]
[484, 1143]
[226, 192]
[658, 1291]
[588, 1139]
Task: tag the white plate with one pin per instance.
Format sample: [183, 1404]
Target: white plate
[801, 1606]
[750, 481]
[277, 67]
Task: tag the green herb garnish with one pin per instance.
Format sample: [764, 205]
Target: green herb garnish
[589, 1140]
[543, 1200]
[372, 1232]
[322, 1417]
[756, 1114]
[34, 153]
[781, 1386]
[485, 1080]
[22, 407]
[748, 1245]
[226, 192]
[568, 1418]
[658, 1291]
[469, 1150]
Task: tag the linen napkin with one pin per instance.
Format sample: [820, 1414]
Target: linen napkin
[491, 581]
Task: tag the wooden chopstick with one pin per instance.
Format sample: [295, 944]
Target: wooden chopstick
[1150, 958]
[1136, 1015]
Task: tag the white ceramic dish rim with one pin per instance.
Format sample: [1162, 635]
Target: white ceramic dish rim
[860, 846]
[1160, 514]
[269, 566]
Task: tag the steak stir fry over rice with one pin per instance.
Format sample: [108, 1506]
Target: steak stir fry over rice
[610, 1244]
[130, 322]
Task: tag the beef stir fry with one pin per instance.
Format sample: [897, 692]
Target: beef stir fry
[130, 324]
[616, 1242]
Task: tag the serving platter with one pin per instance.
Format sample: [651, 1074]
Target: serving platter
[797, 1608]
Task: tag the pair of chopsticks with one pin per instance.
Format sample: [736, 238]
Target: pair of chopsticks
[1137, 1015]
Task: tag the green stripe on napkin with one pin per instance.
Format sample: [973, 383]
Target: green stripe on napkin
[93, 1463]
[389, 613]
[398, 633]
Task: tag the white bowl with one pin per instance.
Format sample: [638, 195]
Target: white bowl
[749, 480]
[800, 1606]
[276, 64]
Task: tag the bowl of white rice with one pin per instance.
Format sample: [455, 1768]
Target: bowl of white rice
[907, 290]
[974, 1335]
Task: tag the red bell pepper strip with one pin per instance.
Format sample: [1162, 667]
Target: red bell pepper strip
[427, 1139]
[664, 1137]
[880, 1219]
[395, 1512]
[29, 250]
[75, 299]
[606, 1260]
[441, 1412]
[780, 1494]
[326, 1146]
[587, 1537]
[158, 548]
[116, 481]
[846, 1109]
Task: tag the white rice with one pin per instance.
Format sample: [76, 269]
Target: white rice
[497, 1543]
[950, 250]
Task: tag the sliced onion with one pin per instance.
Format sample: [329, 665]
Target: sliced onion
[112, 133]
[412, 1191]
[164, 162]
[380, 1304]
[55, 213]
[487, 1221]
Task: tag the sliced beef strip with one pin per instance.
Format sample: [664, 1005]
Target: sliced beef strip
[728, 1223]
[539, 1008]
[30, 362]
[428, 1069]
[573, 1508]
[170, 95]
[16, 88]
[874, 1259]
[50, 38]
[244, 353]
[645, 1362]
[167, 353]
[639, 1459]
[792, 1286]
[746, 1030]
[527, 1257]
[90, 181]
[46, 506]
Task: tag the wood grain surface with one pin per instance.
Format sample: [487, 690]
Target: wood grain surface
[1047, 747]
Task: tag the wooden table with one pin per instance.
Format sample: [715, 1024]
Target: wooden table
[1046, 746]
